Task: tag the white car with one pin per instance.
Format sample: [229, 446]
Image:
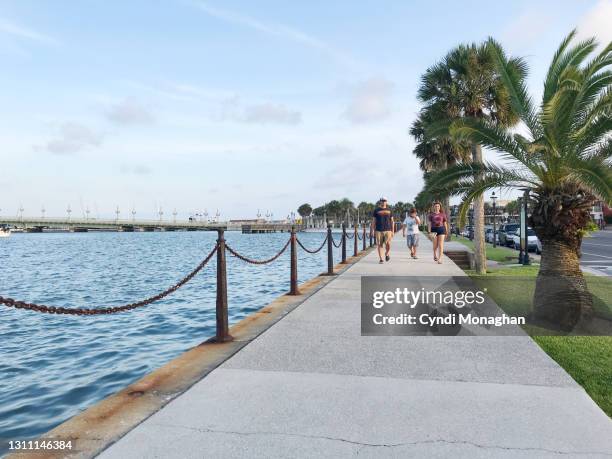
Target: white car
[532, 241]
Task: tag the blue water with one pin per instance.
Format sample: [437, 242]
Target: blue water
[54, 366]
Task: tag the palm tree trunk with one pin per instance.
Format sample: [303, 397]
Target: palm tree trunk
[561, 296]
[480, 255]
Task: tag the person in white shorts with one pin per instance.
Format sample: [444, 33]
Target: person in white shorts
[410, 228]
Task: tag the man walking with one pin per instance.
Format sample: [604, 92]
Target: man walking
[382, 224]
[411, 227]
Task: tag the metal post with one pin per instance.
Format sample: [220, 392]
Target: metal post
[494, 225]
[294, 276]
[526, 260]
[364, 237]
[371, 237]
[222, 314]
[356, 242]
[520, 231]
[330, 252]
[343, 243]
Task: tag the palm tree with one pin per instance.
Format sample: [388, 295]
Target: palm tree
[466, 85]
[562, 155]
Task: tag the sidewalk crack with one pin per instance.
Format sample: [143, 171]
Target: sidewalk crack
[385, 445]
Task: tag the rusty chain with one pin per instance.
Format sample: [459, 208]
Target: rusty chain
[312, 251]
[257, 262]
[11, 303]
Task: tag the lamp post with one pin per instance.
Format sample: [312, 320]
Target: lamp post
[524, 236]
[471, 231]
[494, 198]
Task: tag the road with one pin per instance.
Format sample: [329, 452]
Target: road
[597, 252]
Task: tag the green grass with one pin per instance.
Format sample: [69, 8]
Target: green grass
[588, 359]
[515, 296]
[499, 254]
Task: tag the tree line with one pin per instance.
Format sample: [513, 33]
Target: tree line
[340, 209]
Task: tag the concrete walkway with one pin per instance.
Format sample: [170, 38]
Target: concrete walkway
[312, 386]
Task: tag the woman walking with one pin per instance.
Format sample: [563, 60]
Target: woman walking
[438, 228]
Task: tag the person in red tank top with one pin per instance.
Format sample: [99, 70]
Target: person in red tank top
[438, 228]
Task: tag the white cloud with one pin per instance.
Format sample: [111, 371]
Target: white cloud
[271, 113]
[335, 151]
[276, 30]
[371, 101]
[597, 22]
[73, 138]
[129, 112]
[22, 32]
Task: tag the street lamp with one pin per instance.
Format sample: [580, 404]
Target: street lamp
[494, 198]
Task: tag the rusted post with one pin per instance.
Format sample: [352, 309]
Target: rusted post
[356, 241]
[330, 251]
[364, 237]
[294, 276]
[343, 243]
[222, 313]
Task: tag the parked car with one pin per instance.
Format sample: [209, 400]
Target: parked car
[505, 234]
[489, 235]
[532, 240]
[539, 247]
[465, 232]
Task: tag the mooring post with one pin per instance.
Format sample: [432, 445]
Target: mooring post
[330, 251]
[294, 276]
[356, 242]
[222, 313]
[364, 237]
[343, 243]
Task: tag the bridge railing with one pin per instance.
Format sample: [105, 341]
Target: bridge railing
[220, 249]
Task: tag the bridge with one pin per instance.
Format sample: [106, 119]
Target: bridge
[39, 225]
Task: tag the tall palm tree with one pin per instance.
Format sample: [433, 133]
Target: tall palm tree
[466, 85]
[562, 154]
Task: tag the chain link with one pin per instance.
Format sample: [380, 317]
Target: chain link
[339, 242]
[257, 262]
[349, 235]
[312, 251]
[11, 303]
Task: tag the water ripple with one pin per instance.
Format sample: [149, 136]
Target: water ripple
[52, 366]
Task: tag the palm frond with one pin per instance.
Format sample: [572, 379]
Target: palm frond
[513, 73]
[493, 137]
[565, 58]
[595, 175]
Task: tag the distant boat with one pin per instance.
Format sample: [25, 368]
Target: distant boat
[5, 232]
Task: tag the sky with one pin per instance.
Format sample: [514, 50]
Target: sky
[235, 105]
